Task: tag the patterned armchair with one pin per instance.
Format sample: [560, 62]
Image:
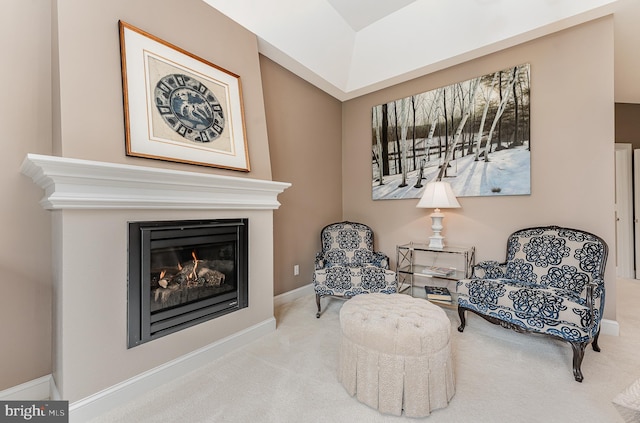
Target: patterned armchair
[347, 264]
[552, 283]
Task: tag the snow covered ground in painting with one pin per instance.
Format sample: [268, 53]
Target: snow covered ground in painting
[507, 173]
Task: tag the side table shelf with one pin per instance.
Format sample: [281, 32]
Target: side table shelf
[417, 265]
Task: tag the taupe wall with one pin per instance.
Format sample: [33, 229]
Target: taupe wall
[25, 255]
[305, 138]
[572, 130]
[628, 123]
[626, 57]
[90, 101]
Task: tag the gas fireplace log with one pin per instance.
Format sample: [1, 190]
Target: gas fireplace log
[163, 294]
[169, 282]
[198, 273]
[192, 274]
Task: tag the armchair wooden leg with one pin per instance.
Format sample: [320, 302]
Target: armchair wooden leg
[463, 322]
[578, 354]
[318, 303]
[594, 344]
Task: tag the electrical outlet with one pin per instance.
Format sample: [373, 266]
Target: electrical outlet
[296, 270]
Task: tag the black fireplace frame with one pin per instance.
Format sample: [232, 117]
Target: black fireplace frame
[145, 326]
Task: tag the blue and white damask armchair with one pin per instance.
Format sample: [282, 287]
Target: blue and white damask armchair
[347, 264]
[552, 283]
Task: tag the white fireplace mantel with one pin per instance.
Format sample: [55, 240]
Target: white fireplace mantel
[85, 184]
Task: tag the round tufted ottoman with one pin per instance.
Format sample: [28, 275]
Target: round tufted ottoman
[395, 354]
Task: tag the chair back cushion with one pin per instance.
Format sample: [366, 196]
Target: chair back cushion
[555, 257]
[347, 244]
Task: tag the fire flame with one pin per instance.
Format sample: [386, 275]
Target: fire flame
[193, 275]
[163, 282]
[195, 265]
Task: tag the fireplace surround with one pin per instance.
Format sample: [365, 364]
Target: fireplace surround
[184, 272]
[92, 204]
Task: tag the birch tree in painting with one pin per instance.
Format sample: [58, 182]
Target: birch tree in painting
[377, 149]
[433, 115]
[473, 89]
[413, 130]
[501, 107]
[485, 109]
[404, 127]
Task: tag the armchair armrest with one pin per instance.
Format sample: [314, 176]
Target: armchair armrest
[593, 294]
[380, 259]
[319, 261]
[490, 269]
[594, 297]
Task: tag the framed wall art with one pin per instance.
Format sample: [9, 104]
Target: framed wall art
[179, 107]
[474, 134]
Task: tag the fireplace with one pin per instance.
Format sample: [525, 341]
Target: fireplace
[184, 272]
[95, 200]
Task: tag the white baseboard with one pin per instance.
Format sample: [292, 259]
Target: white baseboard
[54, 394]
[293, 295]
[609, 327]
[116, 395]
[34, 390]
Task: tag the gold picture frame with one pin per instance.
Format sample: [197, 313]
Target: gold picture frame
[179, 107]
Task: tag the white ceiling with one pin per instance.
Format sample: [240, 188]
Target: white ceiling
[361, 13]
[352, 47]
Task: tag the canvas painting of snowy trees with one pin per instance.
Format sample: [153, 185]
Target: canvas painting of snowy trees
[472, 134]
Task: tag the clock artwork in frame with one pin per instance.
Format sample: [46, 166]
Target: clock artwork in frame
[189, 108]
[179, 107]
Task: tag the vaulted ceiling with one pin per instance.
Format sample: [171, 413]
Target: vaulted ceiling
[352, 47]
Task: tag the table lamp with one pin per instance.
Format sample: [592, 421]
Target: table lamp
[437, 195]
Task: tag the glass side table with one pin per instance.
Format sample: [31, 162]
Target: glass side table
[418, 265]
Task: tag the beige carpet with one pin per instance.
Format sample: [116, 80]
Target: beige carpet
[501, 376]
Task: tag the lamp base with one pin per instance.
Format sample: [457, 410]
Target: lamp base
[436, 241]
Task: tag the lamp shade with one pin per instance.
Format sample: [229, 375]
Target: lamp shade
[438, 195]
